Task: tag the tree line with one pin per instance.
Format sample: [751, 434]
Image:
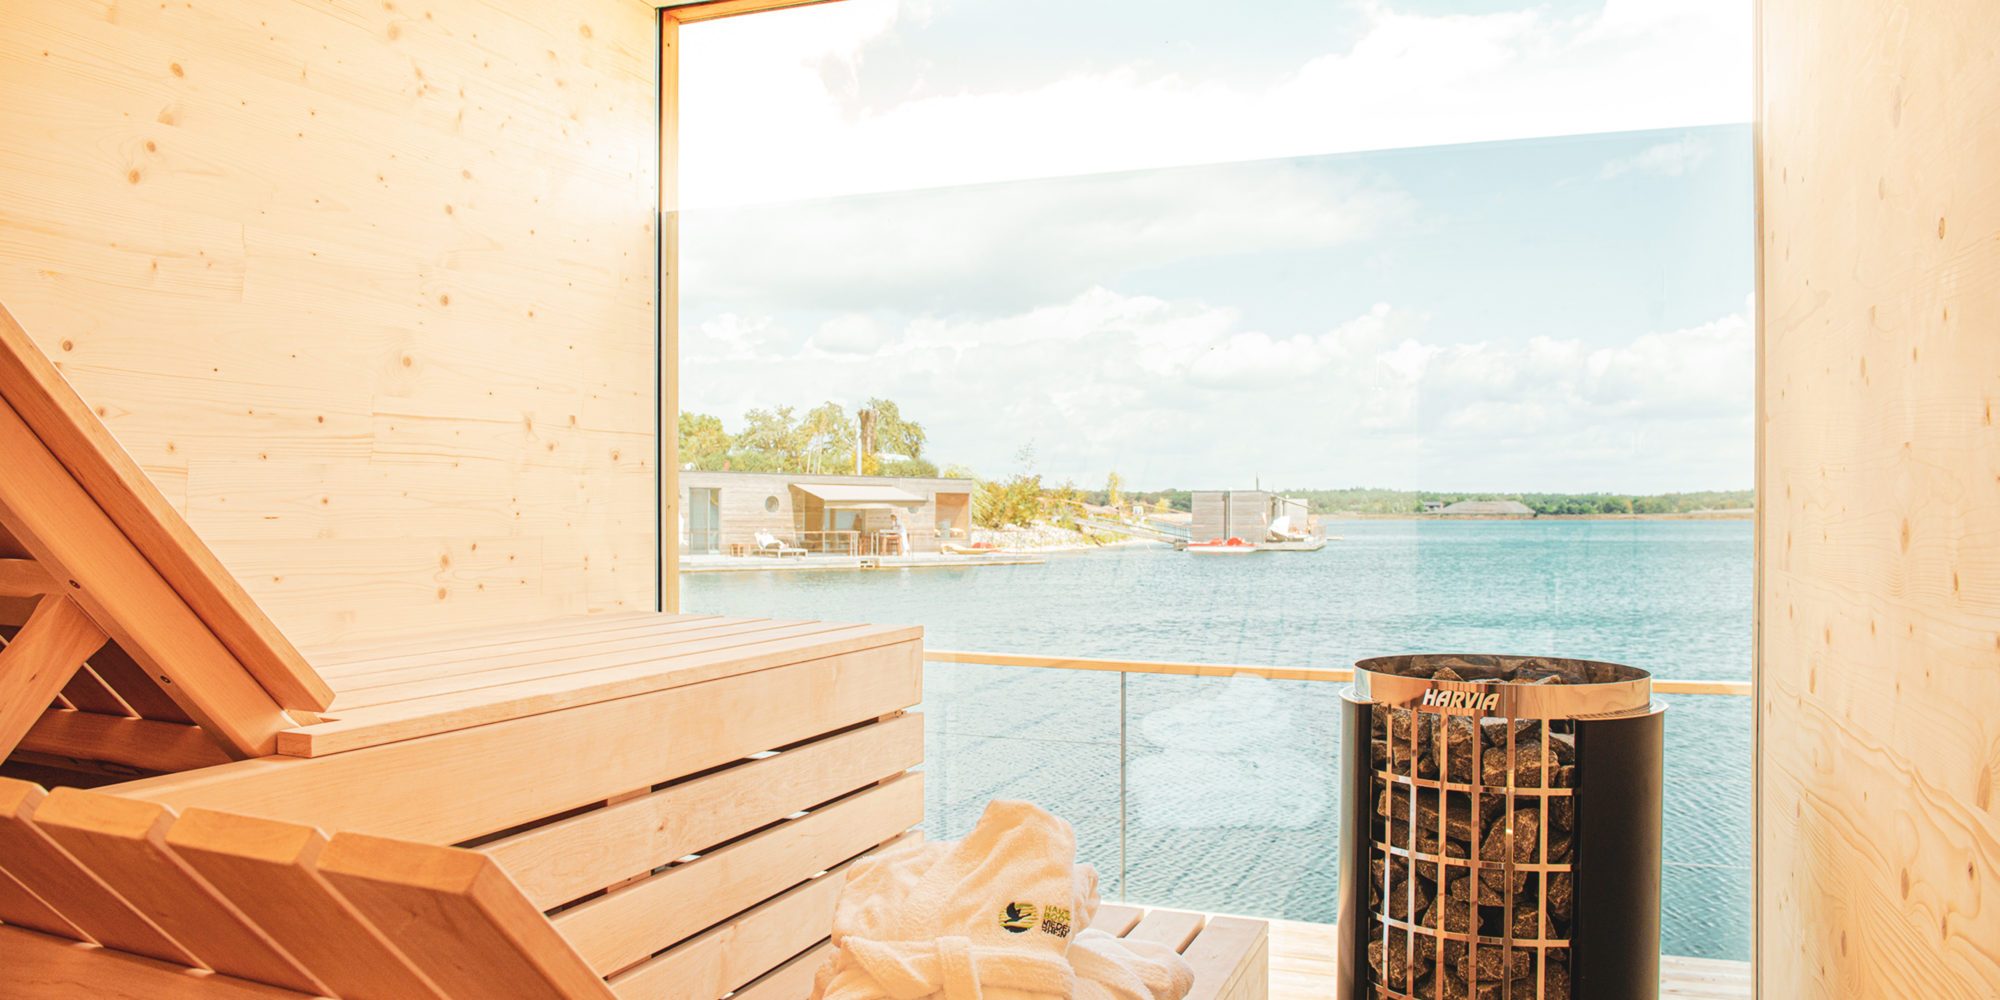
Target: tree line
[824, 440]
[1361, 500]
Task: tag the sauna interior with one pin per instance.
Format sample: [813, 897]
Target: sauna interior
[340, 538]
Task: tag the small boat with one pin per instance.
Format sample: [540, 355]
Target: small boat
[1231, 546]
[1284, 539]
[977, 549]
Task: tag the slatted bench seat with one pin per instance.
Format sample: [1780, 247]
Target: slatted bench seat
[668, 798]
[210, 904]
[1231, 956]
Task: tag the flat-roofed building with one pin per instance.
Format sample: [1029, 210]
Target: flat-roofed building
[724, 512]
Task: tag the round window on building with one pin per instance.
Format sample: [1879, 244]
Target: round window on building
[771, 504]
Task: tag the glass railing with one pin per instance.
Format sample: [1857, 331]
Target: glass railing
[1215, 787]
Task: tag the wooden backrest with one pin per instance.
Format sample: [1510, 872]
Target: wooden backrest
[79, 519]
[262, 902]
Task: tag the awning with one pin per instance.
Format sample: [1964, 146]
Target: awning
[859, 495]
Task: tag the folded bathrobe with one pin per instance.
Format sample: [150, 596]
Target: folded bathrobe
[996, 916]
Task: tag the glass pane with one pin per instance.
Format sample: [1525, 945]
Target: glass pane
[1233, 786]
[1044, 736]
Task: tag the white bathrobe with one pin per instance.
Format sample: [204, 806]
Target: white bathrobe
[999, 915]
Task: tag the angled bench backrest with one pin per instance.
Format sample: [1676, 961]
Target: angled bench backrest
[259, 901]
[81, 523]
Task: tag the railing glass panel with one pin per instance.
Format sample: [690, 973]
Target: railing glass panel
[1220, 793]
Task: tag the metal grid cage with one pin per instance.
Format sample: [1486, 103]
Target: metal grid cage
[1472, 834]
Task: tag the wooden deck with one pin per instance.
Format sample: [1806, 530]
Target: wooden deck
[1302, 968]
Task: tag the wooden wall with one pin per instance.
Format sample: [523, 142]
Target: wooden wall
[1879, 805]
[365, 285]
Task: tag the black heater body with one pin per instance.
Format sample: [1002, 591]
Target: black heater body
[1500, 830]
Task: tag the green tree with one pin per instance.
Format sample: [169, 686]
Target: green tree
[895, 434]
[1064, 503]
[771, 439]
[913, 468]
[703, 442]
[1113, 490]
[826, 440]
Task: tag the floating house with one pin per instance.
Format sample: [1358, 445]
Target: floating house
[1246, 514]
[726, 512]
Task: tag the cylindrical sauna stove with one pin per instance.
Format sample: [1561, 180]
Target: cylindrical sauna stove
[1532, 868]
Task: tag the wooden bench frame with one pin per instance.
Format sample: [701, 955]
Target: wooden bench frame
[631, 805]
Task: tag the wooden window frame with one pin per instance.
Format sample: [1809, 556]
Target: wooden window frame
[667, 271]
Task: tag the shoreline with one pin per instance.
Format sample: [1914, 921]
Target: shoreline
[1744, 514]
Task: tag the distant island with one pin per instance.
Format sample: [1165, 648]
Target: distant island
[1365, 501]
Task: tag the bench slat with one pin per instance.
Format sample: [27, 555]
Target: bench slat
[461, 785]
[341, 656]
[1117, 919]
[40, 967]
[446, 713]
[1218, 955]
[124, 842]
[266, 869]
[728, 956]
[117, 739]
[1173, 928]
[625, 927]
[503, 652]
[22, 908]
[790, 981]
[40, 864]
[459, 917]
[656, 650]
[572, 858]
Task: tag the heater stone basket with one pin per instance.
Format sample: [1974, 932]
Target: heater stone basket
[1500, 830]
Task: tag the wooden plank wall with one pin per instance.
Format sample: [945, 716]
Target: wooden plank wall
[1879, 648]
[367, 288]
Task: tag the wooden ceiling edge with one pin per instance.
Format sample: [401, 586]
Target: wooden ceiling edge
[709, 11]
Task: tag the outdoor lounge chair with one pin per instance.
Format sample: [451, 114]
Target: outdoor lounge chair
[635, 805]
[771, 545]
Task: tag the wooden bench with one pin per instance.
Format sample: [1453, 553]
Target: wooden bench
[1231, 956]
[633, 805]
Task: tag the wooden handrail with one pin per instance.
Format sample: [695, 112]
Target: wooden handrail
[1738, 689]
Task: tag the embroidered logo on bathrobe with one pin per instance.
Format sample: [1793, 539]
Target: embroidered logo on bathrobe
[1020, 918]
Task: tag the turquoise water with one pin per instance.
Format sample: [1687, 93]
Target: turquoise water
[1229, 793]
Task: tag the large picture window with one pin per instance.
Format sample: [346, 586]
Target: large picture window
[1442, 306]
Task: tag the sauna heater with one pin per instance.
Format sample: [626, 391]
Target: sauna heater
[1500, 830]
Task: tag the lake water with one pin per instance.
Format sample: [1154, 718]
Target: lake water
[1229, 783]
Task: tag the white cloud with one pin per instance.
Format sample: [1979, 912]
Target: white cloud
[1182, 393]
[1004, 248]
[767, 115]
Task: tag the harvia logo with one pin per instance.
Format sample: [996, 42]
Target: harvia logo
[1018, 918]
[1441, 698]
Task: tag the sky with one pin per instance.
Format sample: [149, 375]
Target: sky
[1430, 244]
